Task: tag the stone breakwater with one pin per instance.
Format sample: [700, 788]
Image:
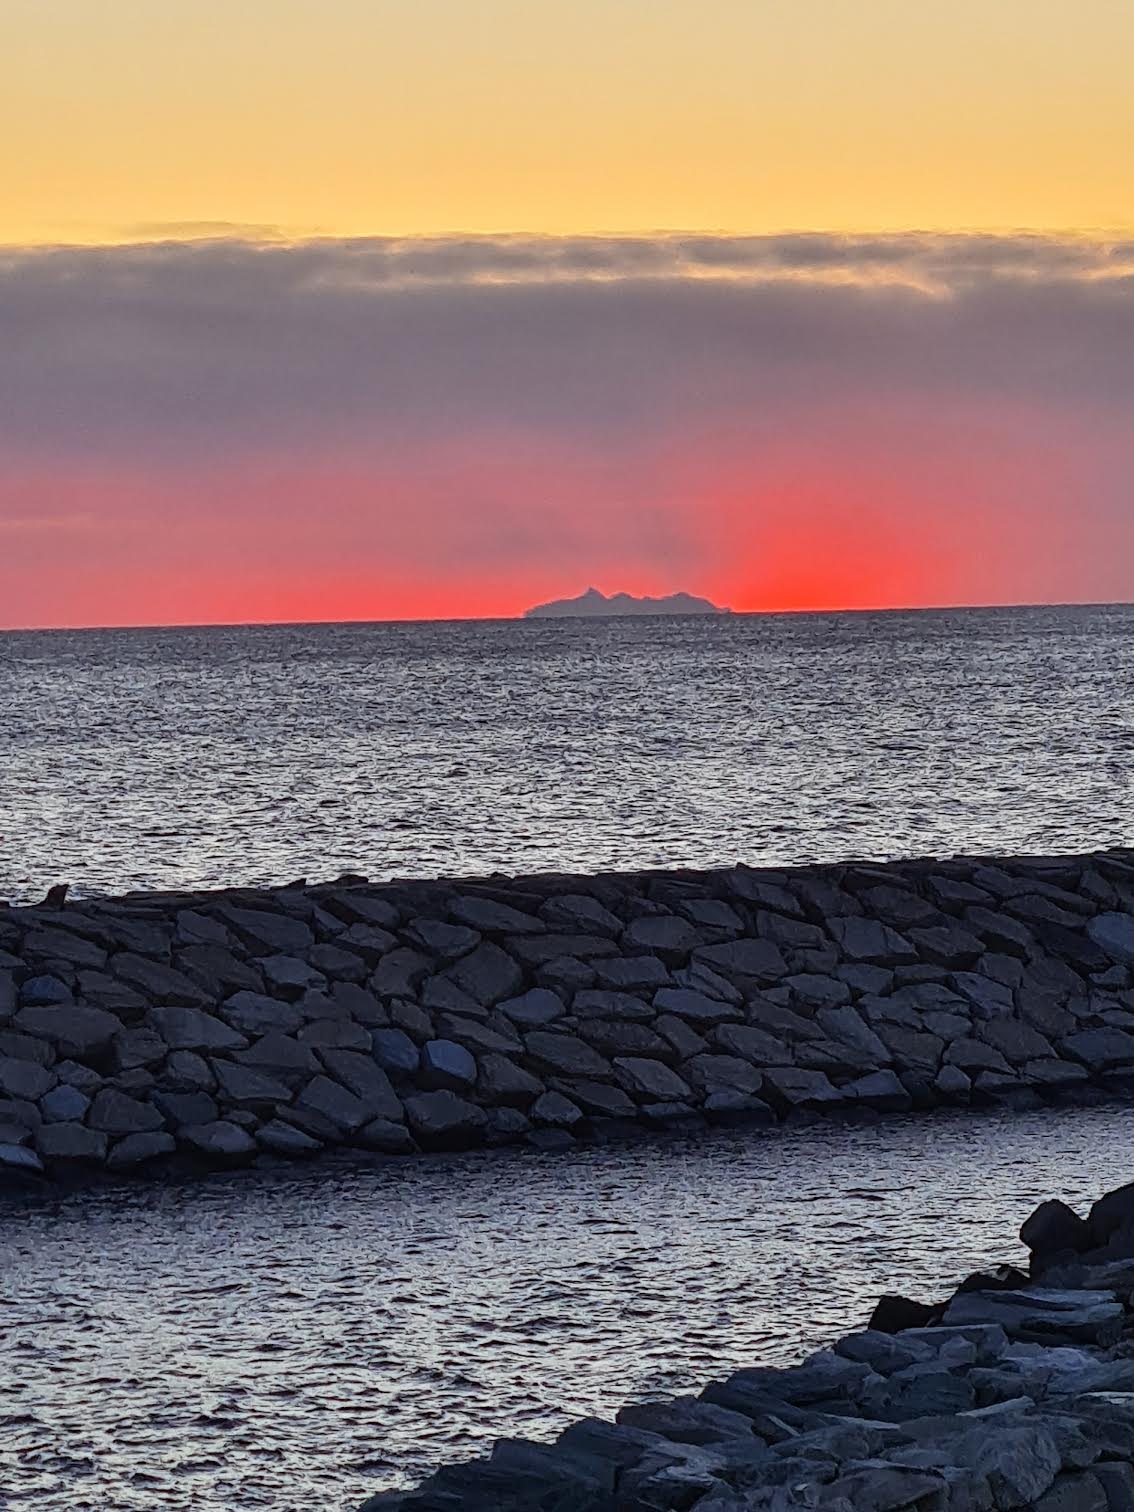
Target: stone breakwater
[230, 1027]
[1016, 1392]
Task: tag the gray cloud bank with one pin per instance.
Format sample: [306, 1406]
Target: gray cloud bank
[230, 346]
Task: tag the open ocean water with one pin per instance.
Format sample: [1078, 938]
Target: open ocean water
[294, 1341]
[161, 758]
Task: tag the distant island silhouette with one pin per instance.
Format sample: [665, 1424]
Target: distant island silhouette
[594, 604]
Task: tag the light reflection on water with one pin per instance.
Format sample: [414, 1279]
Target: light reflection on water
[294, 1341]
[257, 755]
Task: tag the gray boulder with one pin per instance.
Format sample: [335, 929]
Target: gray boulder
[713, 1073]
[64, 1104]
[362, 1076]
[535, 1007]
[1101, 1049]
[575, 913]
[386, 1137]
[344, 1110]
[62, 1143]
[694, 1006]
[193, 1029]
[25, 1080]
[157, 982]
[251, 1014]
[445, 942]
[502, 1082]
[115, 1112]
[668, 936]
[284, 1139]
[487, 974]
[395, 1052]
[15, 1158]
[650, 1080]
[179, 1108]
[280, 1056]
[756, 959]
[267, 933]
[139, 1149]
[1114, 934]
[290, 977]
[555, 1111]
[868, 940]
[598, 1099]
[447, 1064]
[790, 1088]
[73, 1028]
[442, 1119]
[222, 1142]
[247, 1087]
[565, 1055]
[492, 917]
[639, 973]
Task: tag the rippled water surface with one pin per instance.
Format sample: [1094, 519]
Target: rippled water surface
[155, 758]
[298, 1341]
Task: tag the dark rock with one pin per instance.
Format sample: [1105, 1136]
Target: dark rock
[488, 974]
[495, 918]
[74, 1029]
[447, 1064]
[611, 1005]
[284, 1139]
[192, 1029]
[395, 1052]
[399, 972]
[114, 1112]
[536, 1006]
[565, 1055]
[630, 973]
[222, 1142]
[268, 933]
[64, 1104]
[751, 959]
[67, 1143]
[650, 1080]
[893, 1314]
[555, 1111]
[1054, 1227]
[251, 1014]
[444, 1120]
[713, 1073]
[694, 1006]
[44, 990]
[135, 1150]
[24, 1080]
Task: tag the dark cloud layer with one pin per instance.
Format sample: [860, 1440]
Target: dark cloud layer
[234, 345]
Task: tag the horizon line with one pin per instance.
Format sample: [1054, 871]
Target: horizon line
[723, 613]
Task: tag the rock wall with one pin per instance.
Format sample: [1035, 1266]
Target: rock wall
[236, 1026]
[1009, 1395]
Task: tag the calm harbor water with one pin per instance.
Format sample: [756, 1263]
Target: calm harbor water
[297, 1341]
[256, 755]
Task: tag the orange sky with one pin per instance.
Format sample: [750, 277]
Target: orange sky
[347, 117]
[280, 415]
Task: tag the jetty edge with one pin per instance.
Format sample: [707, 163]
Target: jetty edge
[1015, 1392]
[163, 1032]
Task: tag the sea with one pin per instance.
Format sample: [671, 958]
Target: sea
[294, 1341]
[257, 755]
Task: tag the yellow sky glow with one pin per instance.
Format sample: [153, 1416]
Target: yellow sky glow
[120, 118]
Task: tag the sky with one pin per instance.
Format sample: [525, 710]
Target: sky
[370, 309]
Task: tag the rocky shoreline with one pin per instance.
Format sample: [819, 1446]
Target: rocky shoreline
[1016, 1392]
[158, 1031]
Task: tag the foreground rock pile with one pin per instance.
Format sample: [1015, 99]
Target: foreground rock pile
[241, 1026]
[1017, 1392]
